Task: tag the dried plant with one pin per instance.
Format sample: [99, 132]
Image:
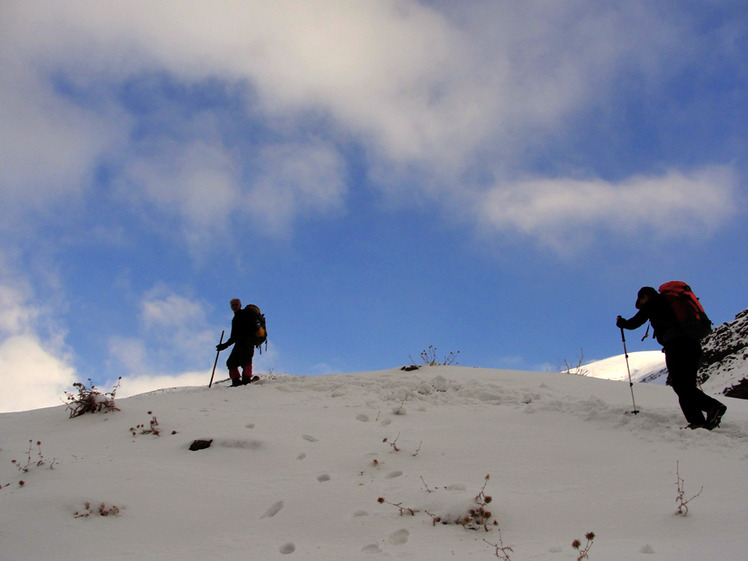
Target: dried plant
[403, 509]
[680, 499]
[90, 400]
[37, 461]
[428, 357]
[414, 454]
[577, 368]
[584, 551]
[153, 427]
[475, 518]
[393, 444]
[479, 517]
[102, 510]
[426, 485]
[500, 550]
[33, 460]
[396, 448]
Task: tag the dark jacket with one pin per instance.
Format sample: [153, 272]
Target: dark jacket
[242, 328]
[242, 336]
[658, 312]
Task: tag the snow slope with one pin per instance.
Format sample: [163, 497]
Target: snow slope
[297, 465]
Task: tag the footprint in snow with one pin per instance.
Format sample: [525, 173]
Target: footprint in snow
[373, 548]
[323, 477]
[400, 537]
[241, 444]
[363, 418]
[393, 474]
[287, 548]
[273, 510]
[308, 438]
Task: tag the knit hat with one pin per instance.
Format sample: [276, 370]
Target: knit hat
[647, 291]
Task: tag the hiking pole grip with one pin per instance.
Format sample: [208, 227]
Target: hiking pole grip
[216, 361]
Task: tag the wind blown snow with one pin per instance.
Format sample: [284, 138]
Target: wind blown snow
[297, 466]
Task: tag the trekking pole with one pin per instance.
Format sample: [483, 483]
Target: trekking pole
[216, 362]
[631, 384]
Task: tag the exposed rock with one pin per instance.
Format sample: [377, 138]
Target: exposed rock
[200, 444]
[724, 363]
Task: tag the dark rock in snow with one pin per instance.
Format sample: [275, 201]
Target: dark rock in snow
[200, 444]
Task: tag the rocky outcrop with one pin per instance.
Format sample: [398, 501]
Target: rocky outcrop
[725, 359]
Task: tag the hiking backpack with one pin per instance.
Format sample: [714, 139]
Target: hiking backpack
[689, 313]
[259, 329]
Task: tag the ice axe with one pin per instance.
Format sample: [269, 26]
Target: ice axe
[628, 369]
[216, 362]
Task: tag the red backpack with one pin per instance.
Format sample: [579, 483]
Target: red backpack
[688, 311]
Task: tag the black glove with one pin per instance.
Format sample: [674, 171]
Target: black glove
[620, 322]
[222, 346]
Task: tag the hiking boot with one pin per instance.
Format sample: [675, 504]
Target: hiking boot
[236, 382]
[714, 416]
[694, 426]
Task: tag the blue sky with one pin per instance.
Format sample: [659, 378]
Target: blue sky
[494, 178]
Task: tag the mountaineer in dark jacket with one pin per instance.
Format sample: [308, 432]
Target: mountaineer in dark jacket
[682, 356]
[242, 337]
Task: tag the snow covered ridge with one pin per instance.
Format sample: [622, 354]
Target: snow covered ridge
[725, 361]
[297, 466]
[646, 366]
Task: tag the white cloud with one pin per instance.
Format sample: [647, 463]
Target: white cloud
[434, 94]
[127, 355]
[34, 371]
[15, 317]
[389, 70]
[47, 146]
[134, 385]
[197, 179]
[295, 178]
[180, 320]
[30, 375]
[563, 211]
[170, 311]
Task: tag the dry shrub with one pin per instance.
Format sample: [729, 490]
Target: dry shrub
[90, 400]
